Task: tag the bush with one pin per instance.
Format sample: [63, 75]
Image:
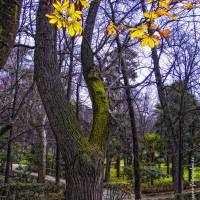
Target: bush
[128, 171]
[28, 191]
[152, 173]
[157, 187]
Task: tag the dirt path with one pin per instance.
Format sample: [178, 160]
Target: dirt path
[164, 195]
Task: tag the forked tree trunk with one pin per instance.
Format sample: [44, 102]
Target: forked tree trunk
[83, 157]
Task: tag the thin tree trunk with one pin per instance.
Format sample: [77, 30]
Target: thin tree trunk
[8, 158]
[42, 152]
[58, 160]
[168, 119]
[78, 96]
[180, 164]
[191, 153]
[108, 164]
[13, 104]
[136, 161]
[118, 166]
[168, 164]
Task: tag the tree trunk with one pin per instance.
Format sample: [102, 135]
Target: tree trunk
[168, 119]
[190, 155]
[168, 164]
[83, 157]
[8, 158]
[9, 18]
[42, 152]
[108, 164]
[136, 161]
[117, 166]
[83, 184]
[78, 96]
[13, 104]
[57, 170]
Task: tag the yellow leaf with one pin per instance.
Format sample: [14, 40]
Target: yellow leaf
[71, 31]
[74, 14]
[57, 6]
[67, 16]
[53, 21]
[138, 31]
[59, 24]
[50, 16]
[173, 18]
[150, 1]
[164, 4]
[150, 40]
[162, 12]
[82, 3]
[65, 5]
[150, 16]
[112, 29]
[74, 27]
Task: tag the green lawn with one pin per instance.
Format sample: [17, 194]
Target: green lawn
[167, 179]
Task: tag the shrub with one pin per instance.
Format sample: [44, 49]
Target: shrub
[29, 191]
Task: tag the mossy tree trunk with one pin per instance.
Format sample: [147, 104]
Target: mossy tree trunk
[9, 19]
[83, 156]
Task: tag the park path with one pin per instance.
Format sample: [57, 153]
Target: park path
[151, 196]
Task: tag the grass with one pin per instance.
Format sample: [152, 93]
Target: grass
[123, 179]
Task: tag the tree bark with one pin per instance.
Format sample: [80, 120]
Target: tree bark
[83, 157]
[136, 161]
[168, 164]
[168, 119]
[108, 164]
[117, 166]
[9, 19]
[42, 152]
[8, 158]
[58, 160]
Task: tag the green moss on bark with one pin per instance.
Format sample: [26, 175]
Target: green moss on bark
[9, 18]
[100, 109]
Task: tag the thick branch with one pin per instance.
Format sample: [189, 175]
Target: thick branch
[95, 85]
[9, 19]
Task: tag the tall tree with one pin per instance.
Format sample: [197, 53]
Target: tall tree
[84, 157]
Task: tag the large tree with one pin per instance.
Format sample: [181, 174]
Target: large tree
[83, 156]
